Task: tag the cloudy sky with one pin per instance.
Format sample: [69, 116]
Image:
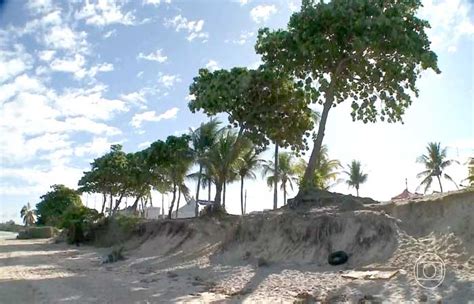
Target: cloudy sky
[78, 76]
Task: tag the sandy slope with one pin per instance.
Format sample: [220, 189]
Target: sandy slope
[206, 261]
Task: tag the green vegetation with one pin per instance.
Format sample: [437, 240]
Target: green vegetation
[356, 176]
[285, 174]
[54, 203]
[369, 53]
[79, 220]
[435, 163]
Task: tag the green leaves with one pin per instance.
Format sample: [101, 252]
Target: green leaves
[265, 105]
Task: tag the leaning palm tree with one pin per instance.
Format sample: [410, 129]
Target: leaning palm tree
[356, 176]
[202, 139]
[285, 175]
[246, 165]
[28, 215]
[326, 172]
[435, 163]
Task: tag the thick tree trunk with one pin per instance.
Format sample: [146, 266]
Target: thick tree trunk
[242, 194]
[275, 182]
[196, 208]
[313, 160]
[217, 198]
[170, 211]
[177, 206]
[440, 186]
[103, 203]
[357, 191]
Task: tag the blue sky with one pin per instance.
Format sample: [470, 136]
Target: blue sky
[76, 77]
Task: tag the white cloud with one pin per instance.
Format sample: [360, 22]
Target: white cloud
[103, 13]
[96, 147]
[261, 13]
[212, 65]
[168, 80]
[154, 56]
[194, 28]
[244, 37]
[138, 119]
[293, 6]
[63, 37]
[72, 65]
[14, 62]
[156, 2]
[190, 97]
[110, 33]
[244, 2]
[450, 21]
[46, 55]
[144, 145]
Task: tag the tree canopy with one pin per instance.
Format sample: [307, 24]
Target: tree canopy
[54, 203]
[369, 53]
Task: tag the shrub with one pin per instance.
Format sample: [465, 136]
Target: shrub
[78, 220]
[38, 233]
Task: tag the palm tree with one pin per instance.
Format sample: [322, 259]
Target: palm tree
[28, 215]
[326, 172]
[435, 163]
[356, 176]
[247, 163]
[202, 139]
[221, 160]
[286, 174]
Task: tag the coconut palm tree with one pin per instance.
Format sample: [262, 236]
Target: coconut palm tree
[246, 165]
[356, 176]
[221, 161]
[202, 139]
[28, 215]
[326, 172]
[435, 163]
[286, 174]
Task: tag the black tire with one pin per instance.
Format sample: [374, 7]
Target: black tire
[337, 258]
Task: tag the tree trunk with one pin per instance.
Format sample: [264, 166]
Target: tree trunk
[242, 194]
[151, 200]
[439, 181]
[209, 184]
[170, 211]
[103, 203]
[177, 206]
[196, 208]
[284, 193]
[275, 182]
[162, 205]
[117, 203]
[357, 191]
[223, 195]
[314, 158]
[110, 203]
[245, 202]
[217, 198]
[135, 204]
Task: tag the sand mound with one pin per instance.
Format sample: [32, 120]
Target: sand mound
[366, 236]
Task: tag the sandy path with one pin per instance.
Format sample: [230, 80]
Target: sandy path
[37, 271]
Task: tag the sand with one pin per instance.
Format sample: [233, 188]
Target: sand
[205, 261]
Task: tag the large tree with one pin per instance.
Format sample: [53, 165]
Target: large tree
[54, 203]
[368, 53]
[266, 105]
[435, 162]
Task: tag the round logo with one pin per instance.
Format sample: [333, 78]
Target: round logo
[429, 270]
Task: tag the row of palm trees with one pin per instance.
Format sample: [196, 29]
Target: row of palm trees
[223, 156]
